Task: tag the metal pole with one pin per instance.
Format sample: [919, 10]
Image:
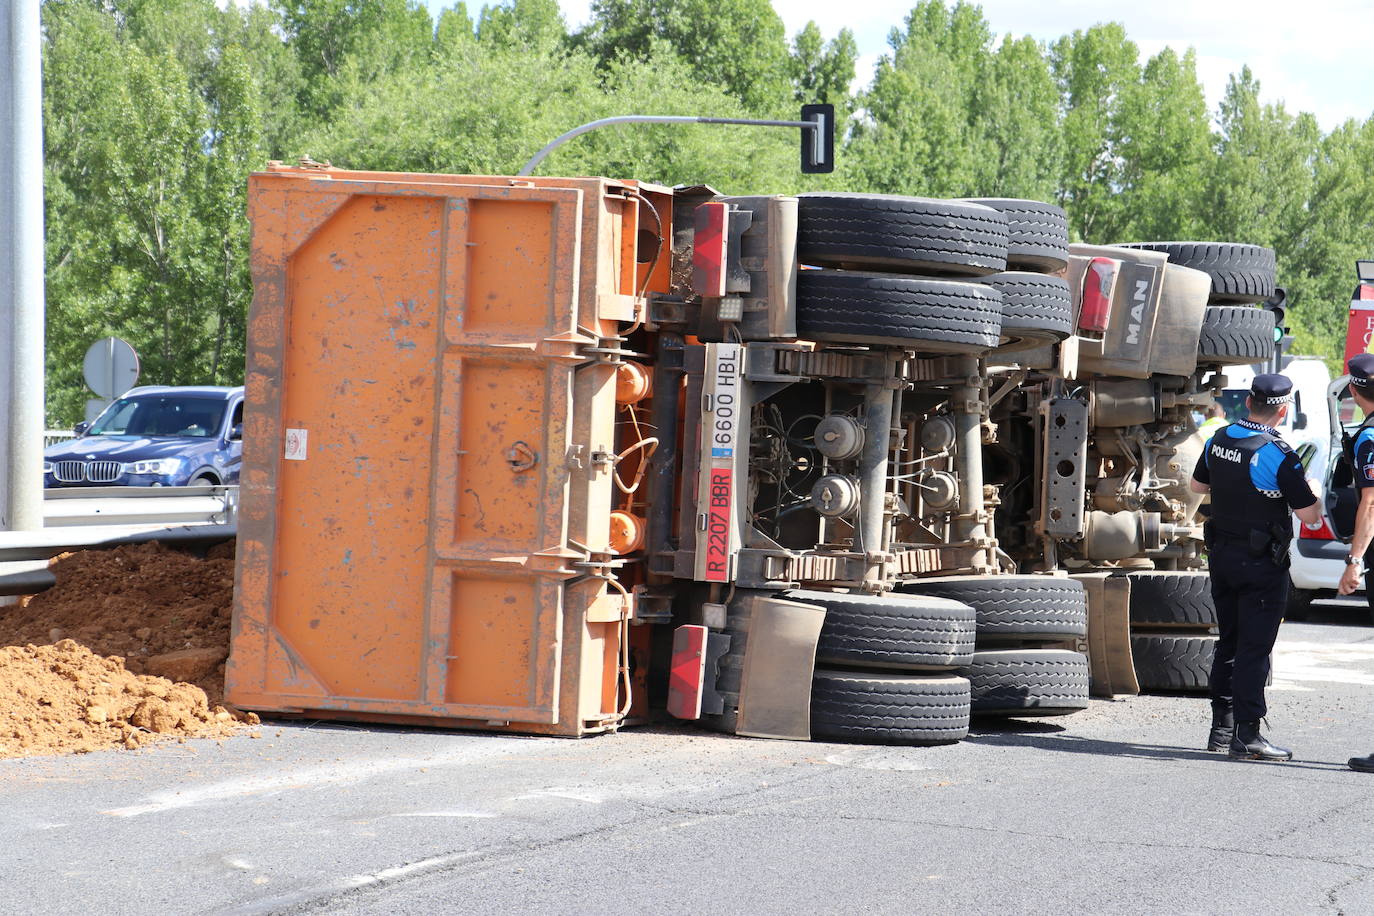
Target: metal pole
[21, 267]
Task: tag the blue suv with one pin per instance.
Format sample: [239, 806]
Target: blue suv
[154, 436]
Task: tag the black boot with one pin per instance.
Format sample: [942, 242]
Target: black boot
[1223, 727]
[1249, 744]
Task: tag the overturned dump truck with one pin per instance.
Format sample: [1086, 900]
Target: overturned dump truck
[1111, 420]
[544, 455]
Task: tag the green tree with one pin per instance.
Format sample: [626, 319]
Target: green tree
[534, 24]
[821, 71]
[1016, 124]
[145, 165]
[1341, 230]
[916, 135]
[372, 37]
[1094, 69]
[1164, 146]
[740, 45]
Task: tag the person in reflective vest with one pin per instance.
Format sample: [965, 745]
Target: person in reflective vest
[1254, 479]
[1360, 455]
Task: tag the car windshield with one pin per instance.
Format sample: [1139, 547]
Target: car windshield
[160, 415]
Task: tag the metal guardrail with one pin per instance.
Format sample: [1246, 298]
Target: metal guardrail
[86, 506]
[78, 517]
[54, 436]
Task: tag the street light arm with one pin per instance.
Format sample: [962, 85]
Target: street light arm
[538, 157]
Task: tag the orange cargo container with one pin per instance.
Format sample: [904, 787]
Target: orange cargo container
[427, 488]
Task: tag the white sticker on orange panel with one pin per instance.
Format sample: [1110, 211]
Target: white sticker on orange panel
[297, 442]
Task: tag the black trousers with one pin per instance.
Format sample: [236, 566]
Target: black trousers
[1250, 594]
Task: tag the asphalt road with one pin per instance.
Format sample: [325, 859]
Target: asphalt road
[1112, 810]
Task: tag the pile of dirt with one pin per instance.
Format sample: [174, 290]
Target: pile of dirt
[115, 633]
[64, 698]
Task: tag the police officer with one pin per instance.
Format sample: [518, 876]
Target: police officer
[1254, 479]
[1361, 458]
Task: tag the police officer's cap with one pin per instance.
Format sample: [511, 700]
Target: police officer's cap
[1269, 388]
[1361, 368]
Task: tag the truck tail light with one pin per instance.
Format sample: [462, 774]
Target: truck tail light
[1098, 282]
[708, 249]
[687, 671]
[1324, 533]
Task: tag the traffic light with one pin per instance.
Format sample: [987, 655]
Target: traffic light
[1283, 341]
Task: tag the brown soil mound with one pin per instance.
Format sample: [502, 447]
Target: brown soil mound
[150, 610]
[141, 602]
[64, 699]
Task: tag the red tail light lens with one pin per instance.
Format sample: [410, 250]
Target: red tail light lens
[1324, 533]
[708, 249]
[1099, 279]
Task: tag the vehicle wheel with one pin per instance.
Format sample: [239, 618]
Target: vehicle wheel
[1014, 608]
[937, 316]
[1032, 682]
[1036, 309]
[900, 631]
[1173, 662]
[1299, 603]
[1240, 273]
[1235, 335]
[889, 708]
[1172, 599]
[201, 480]
[900, 233]
[1037, 233]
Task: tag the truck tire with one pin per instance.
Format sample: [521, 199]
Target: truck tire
[889, 708]
[1240, 273]
[1015, 608]
[1182, 663]
[936, 316]
[916, 234]
[899, 631]
[1172, 599]
[1036, 309]
[1235, 335]
[1037, 233]
[1035, 682]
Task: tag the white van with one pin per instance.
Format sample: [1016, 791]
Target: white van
[1313, 430]
[1307, 428]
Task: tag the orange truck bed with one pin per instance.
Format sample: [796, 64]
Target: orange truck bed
[426, 491]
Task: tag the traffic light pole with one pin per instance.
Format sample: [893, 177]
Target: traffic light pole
[21, 267]
[817, 126]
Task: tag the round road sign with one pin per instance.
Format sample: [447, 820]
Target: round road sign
[110, 367]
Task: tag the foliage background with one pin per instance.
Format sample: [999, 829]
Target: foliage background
[156, 110]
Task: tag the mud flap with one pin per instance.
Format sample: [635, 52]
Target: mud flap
[1110, 664]
[775, 691]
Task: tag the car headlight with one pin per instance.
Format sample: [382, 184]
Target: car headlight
[155, 466]
[47, 467]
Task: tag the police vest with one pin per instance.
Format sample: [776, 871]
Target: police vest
[1238, 506]
[1348, 441]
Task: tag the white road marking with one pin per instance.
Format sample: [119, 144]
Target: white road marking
[1298, 663]
[880, 759]
[413, 868]
[314, 894]
[315, 777]
[581, 795]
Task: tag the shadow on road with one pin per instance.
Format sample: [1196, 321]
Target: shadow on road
[1098, 747]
